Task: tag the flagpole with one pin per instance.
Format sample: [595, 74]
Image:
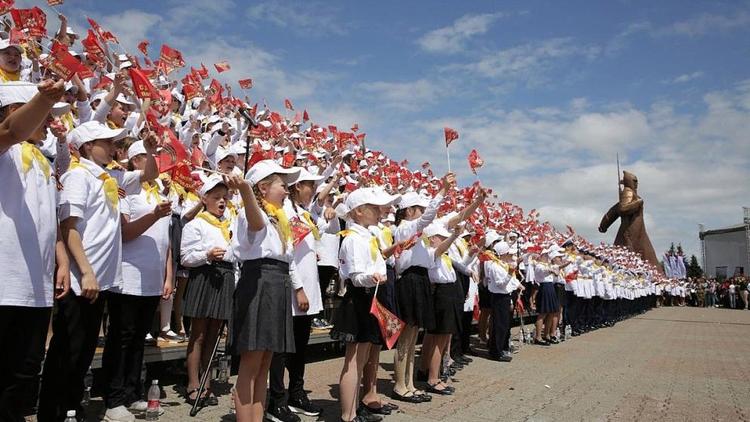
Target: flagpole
[448, 154]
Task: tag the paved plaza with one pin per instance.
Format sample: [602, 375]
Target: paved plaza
[670, 364]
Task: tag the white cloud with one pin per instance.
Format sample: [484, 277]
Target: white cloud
[404, 95]
[686, 77]
[707, 23]
[308, 17]
[531, 60]
[452, 39]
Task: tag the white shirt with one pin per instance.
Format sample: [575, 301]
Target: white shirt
[439, 271]
[305, 264]
[459, 254]
[28, 232]
[265, 243]
[417, 255]
[356, 262]
[199, 237]
[144, 258]
[328, 245]
[498, 278]
[98, 222]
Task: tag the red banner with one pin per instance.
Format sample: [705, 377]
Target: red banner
[390, 325]
[450, 136]
[142, 86]
[32, 19]
[246, 83]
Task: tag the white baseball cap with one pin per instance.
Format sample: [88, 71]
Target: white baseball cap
[364, 196]
[60, 108]
[265, 168]
[502, 248]
[93, 130]
[136, 148]
[304, 176]
[491, 237]
[123, 100]
[16, 93]
[5, 43]
[436, 229]
[210, 183]
[412, 199]
[223, 153]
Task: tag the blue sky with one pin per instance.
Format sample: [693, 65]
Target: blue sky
[548, 92]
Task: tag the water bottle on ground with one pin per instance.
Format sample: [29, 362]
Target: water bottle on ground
[568, 331]
[152, 411]
[70, 416]
[557, 332]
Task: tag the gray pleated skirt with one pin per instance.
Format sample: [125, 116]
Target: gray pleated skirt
[262, 310]
[209, 291]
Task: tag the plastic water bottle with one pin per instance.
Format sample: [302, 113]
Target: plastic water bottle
[224, 369]
[568, 331]
[70, 416]
[557, 332]
[152, 411]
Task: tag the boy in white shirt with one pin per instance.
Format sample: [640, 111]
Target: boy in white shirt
[30, 248]
[90, 226]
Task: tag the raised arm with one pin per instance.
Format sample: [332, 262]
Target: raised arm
[22, 123]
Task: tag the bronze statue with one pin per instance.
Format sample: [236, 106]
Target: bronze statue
[629, 209]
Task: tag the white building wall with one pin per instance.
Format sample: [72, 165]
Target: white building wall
[726, 250]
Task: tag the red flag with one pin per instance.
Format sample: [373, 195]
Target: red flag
[92, 47]
[475, 161]
[171, 57]
[17, 36]
[54, 2]
[355, 127]
[569, 278]
[299, 230]
[222, 66]
[519, 305]
[305, 116]
[173, 153]
[109, 37]
[288, 105]
[288, 160]
[203, 72]
[34, 20]
[142, 86]
[143, 47]
[62, 63]
[450, 136]
[246, 83]
[390, 325]
[95, 25]
[197, 157]
[6, 5]
[103, 83]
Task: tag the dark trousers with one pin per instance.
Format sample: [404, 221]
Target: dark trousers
[500, 330]
[129, 321]
[23, 332]
[75, 330]
[571, 310]
[462, 289]
[293, 362]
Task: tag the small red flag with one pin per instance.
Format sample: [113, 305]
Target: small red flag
[54, 2]
[355, 127]
[142, 86]
[390, 325]
[34, 20]
[95, 25]
[222, 66]
[103, 83]
[171, 57]
[288, 160]
[475, 161]
[109, 37]
[143, 47]
[450, 136]
[62, 63]
[305, 116]
[246, 83]
[203, 72]
[288, 105]
[92, 47]
[6, 5]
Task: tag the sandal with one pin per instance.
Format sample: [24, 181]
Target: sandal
[445, 391]
[541, 342]
[380, 410]
[192, 401]
[210, 399]
[424, 397]
[408, 399]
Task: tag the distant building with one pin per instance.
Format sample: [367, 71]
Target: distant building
[726, 251]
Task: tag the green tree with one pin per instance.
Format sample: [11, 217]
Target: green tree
[694, 270]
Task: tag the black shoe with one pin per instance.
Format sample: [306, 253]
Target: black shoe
[421, 376]
[407, 399]
[382, 410]
[304, 406]
[281, 414]
[541, 342]
[446, 391]
[366, 415]
[554, 340]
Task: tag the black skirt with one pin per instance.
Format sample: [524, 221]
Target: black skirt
[387, 291]
[414, 295]
[209, 292]
[352, 320]
[485, 297]
[546, 299]
[447, 315]
[262, 311]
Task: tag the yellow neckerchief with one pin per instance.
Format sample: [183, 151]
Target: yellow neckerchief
[232, 209]
[447, 261]
[374, 249]
[285, 231]
[462, 247]
[314, 228]
[152, 191]
[112, 125]
[110, 187]
[114, 165]
[67, 120]
[10, 76]
[387, 236]
[29, 154]
[221, 225]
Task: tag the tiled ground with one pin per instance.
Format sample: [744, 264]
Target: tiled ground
[670, 364]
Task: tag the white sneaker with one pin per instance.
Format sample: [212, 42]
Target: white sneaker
[118, 414]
